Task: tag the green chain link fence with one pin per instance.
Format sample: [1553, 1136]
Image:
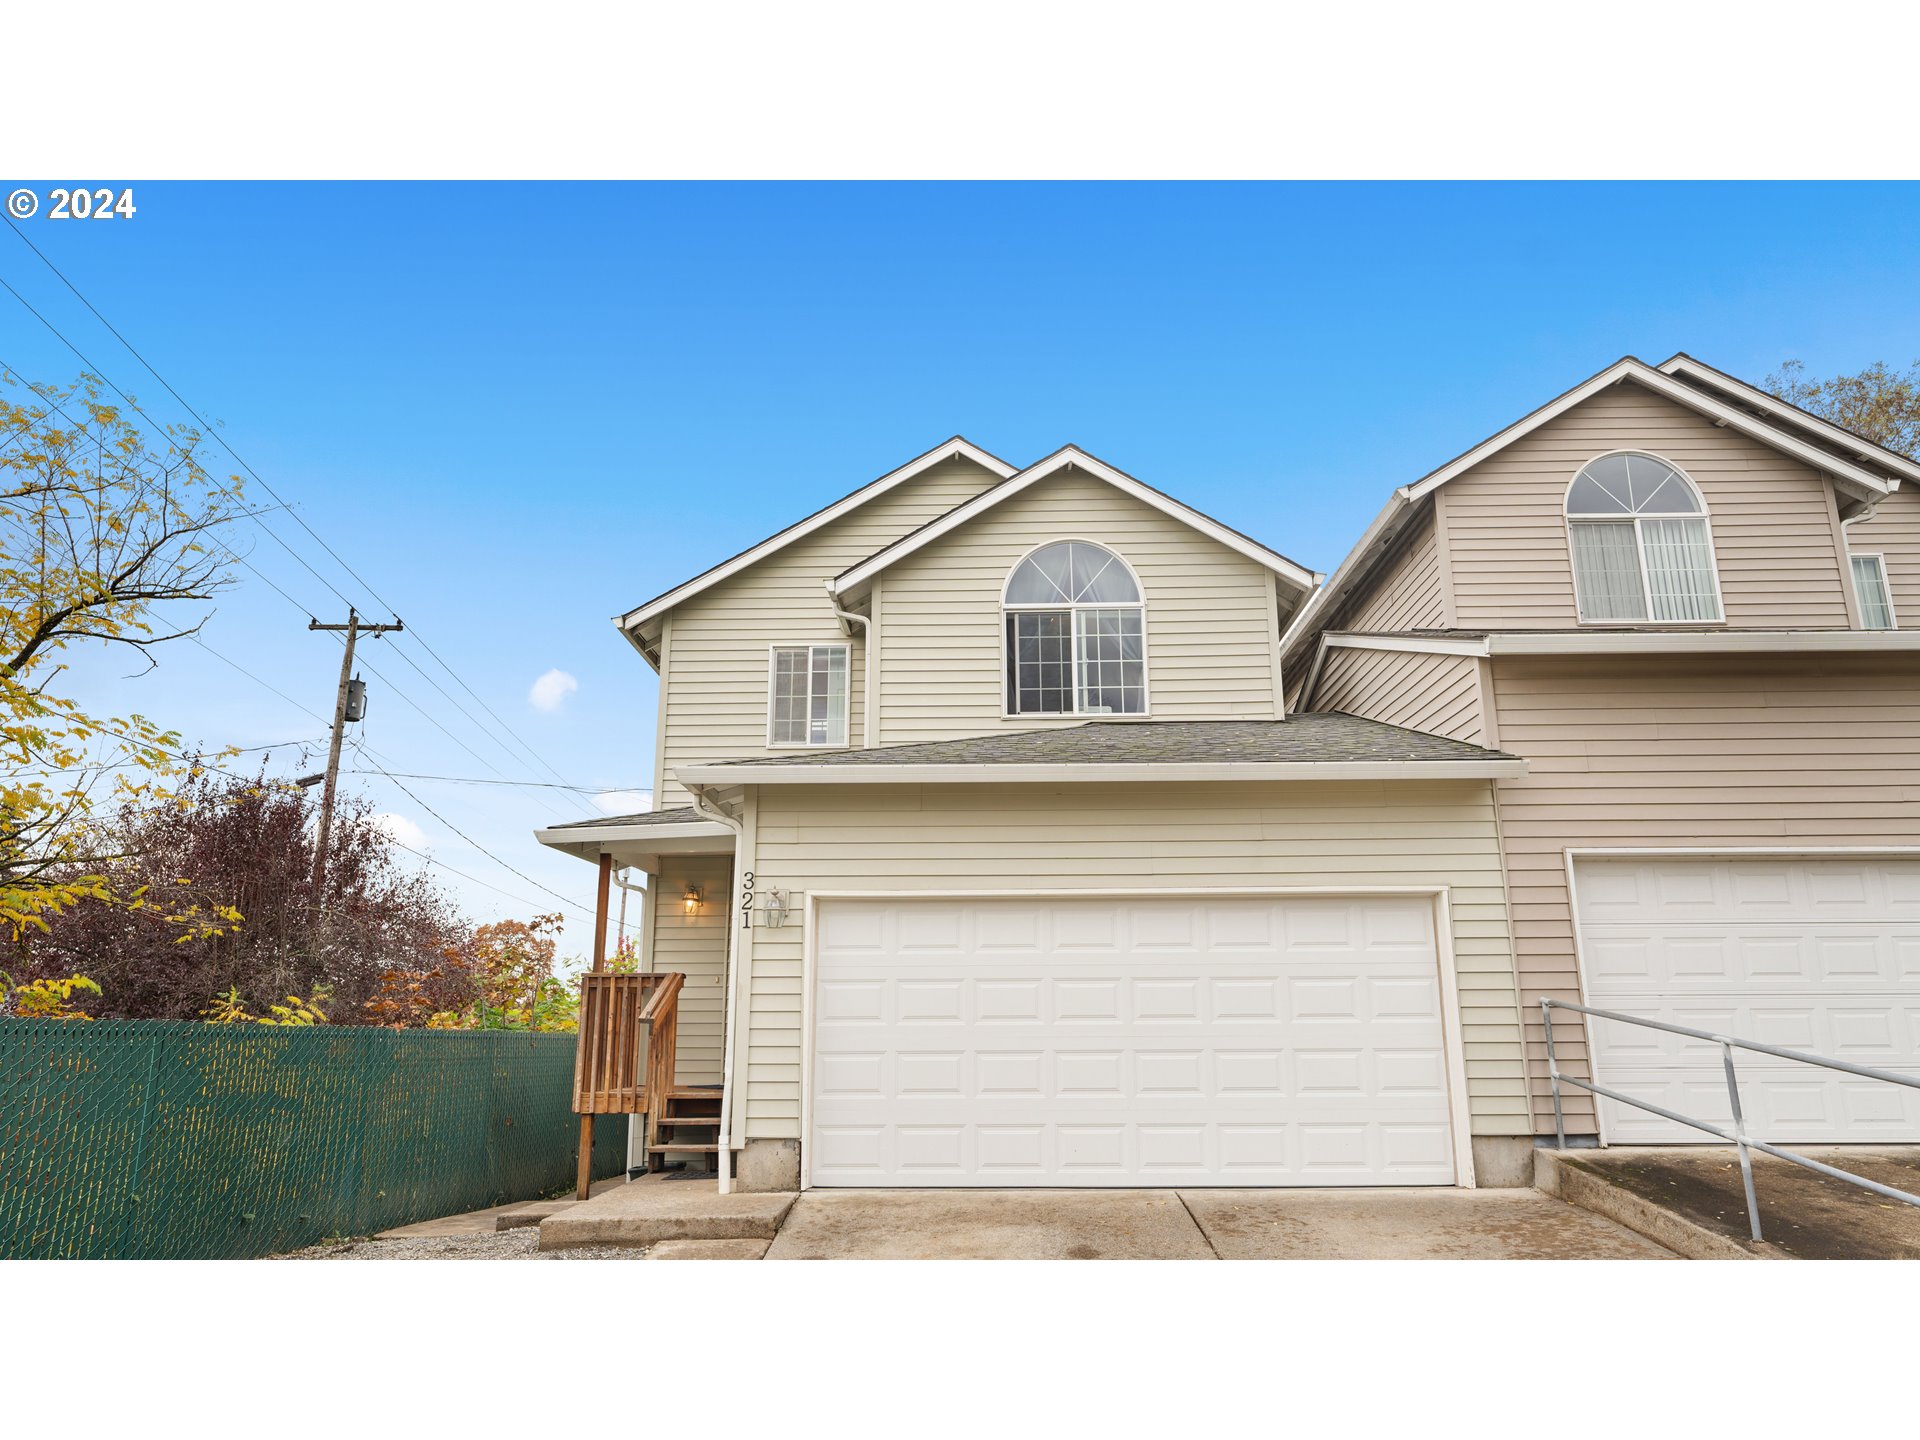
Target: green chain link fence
[153, 1139]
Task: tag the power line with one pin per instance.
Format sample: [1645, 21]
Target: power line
[134, 406]
[231, 554]
[298, 519]
[518, 784]
[478, 846]
[256, 679]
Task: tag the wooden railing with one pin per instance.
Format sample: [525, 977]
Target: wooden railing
[624, 1061]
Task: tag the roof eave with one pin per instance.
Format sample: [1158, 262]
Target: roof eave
[1864, 449]
[959, 447]
[852, 581]
[1492, 768]
[1630, 368]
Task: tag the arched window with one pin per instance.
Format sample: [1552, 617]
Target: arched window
[1076, 633]
[1640, 546]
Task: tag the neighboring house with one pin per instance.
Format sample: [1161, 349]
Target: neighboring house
[1682, 602]
[993, 859]
[1030, 828]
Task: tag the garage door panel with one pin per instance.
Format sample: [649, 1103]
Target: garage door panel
[1816, 955]
[1109, 1043]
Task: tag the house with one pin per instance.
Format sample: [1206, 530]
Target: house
[1682, 602]
[1028, 827]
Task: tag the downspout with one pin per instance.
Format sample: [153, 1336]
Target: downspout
[848, 619]
[636, 1130]
[723, 1153]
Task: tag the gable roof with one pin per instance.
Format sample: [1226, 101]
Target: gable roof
[957, 448]
[1073, 457]
[1835, 439]
[1849, 474]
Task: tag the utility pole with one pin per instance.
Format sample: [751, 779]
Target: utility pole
[354, 630]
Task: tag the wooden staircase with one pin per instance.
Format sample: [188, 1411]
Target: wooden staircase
[624, 1064]
[686, 1124]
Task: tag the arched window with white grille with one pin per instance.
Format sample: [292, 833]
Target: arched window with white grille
[1641, 547]
[1076, 637]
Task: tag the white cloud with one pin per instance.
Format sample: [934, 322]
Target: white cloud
[624, 802]
[402, 829]
[550, 691]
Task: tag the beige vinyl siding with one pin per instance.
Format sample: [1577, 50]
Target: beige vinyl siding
[1894, 531]
[1208, 614]
[1772, 519]
[1406, 592]
[1700, 752]
[1436, 693]
[695, 945]
[715, 687]
[999, 839]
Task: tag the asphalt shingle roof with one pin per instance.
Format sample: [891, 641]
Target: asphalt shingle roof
[685, 815]
[1312, 738]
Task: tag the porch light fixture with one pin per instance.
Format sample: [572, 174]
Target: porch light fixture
[693, 899]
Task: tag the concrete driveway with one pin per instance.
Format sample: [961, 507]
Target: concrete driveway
[1198, 1225]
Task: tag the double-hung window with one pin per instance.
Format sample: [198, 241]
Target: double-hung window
[1870, 588]
[809, 695]
[1076, 639]
[1640, 545]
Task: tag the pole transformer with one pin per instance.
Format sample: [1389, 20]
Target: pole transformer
[354, 630]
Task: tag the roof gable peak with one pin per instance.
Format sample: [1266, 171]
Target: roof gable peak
[957, 447]
[1071, 457]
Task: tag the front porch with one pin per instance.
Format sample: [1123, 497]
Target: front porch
[652, 1031]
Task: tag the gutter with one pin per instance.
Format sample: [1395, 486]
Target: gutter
[723, 1151]
[1494, 766]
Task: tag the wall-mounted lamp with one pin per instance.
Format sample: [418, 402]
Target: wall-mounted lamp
[693, 899]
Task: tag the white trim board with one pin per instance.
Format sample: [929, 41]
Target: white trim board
[1867, 485]
[1864, 450]
[848, 582]
[1637, 642]
[1418, 644]
[1502, 768]
[956, 448]
[1459, 1103]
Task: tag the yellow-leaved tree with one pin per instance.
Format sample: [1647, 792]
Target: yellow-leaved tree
[106, 538]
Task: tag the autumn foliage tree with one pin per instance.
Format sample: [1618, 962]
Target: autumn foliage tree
[1878, 403]
[102, 525]
[228, 844]
[506, 970]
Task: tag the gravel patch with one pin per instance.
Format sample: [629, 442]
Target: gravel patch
[518, 1244]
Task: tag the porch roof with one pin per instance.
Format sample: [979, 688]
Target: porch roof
[639, 840]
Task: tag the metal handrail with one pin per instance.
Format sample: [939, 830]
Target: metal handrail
[1744, 1142]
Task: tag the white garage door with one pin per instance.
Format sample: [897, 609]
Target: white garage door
[1103, 1042]
[1809, 954]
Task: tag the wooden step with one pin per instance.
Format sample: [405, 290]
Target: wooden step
[694, 1092]
[662, 1149]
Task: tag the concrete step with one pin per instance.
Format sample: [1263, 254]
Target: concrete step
[655, 1209]
[1589, 1186]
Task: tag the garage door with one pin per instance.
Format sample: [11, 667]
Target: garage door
[1810, 954]
[1103, 1042]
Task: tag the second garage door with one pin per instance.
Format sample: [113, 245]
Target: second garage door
[1806, 953]
[1155, 1041]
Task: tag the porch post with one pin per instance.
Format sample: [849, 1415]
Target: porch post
[583, 1178]
[600, 914]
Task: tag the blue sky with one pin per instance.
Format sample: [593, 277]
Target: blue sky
[518, 409]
